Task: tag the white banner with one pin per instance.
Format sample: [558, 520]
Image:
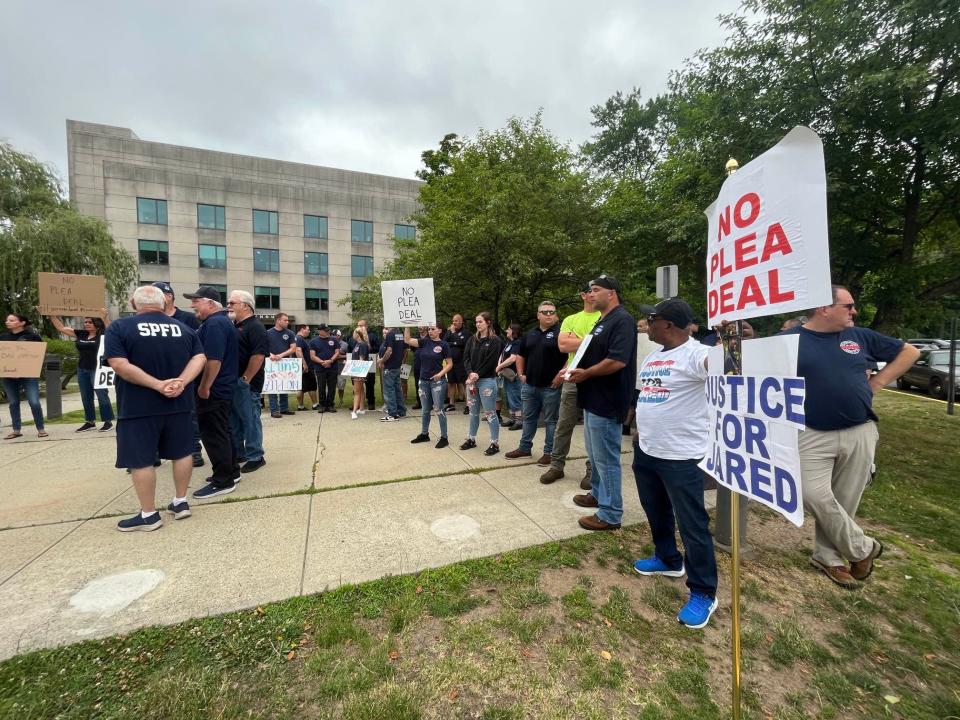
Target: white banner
[281, 376]
[103, 378]
[408, 303]
[357, 368]
[767, 243]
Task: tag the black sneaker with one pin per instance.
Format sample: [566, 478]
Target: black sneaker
[198, 460]
[300, 408]
[106, 426]
[466, 410]
[253, 465]
[315, 406]
[210, 491]
[421, 438]
[331, 409]
[442, 443]
[389, 418]
[287, 412]
[138, 522]
[517, 425]
[492, 450]
[468, 444]
[449, 407]
[86, 426]
[180, 510]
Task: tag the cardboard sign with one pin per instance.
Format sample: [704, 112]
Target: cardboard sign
[754, 423]
[767, 245]
[76, 295]
[357, 368]
[104, 378]
[408, 303]
[21, 359]
[281, 376]
[584, 344]
[405, 371]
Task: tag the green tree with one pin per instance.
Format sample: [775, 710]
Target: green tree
[41, 232]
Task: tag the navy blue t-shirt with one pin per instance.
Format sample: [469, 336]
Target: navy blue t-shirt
[398, 349]
[279, 341]
[304, 346]
[835, 368]
[614, 337]
[187, 318]
[325, 347]
[161, 347]
[221, 342]
[431, 354]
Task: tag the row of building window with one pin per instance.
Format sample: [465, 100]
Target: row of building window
[267, 222]
[214, 257]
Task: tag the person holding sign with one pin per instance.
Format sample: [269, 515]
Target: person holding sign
[88, 347]
[281, 342]
[394, 349]
[360, 351]
[480, 362]
[19, 329]
[435, 363]
[324, 353]
[837, 448]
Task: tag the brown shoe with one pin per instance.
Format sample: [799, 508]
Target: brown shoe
[585, 482]
[518, 453]
[544, 460]
[861, 569]
[592, 522]
[551, 475]
[587, 500]
[838, 574]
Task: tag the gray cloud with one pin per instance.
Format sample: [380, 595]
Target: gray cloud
[365, 85]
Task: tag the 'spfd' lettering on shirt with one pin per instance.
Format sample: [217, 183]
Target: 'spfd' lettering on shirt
[158, 329]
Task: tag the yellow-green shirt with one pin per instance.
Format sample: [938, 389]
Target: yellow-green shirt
[580, 324]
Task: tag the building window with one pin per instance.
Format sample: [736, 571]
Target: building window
[315, 263]
[361, 231]
[316, 299]
[266, 260]
[315, 226]
[154, 252]
[211, 217]
[355, 298]
[266, 221]
[151, 212]
[404, 232]
[213, 257]
[266, 298]
[361, 266]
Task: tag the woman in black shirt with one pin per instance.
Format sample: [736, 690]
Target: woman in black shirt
[19, 329]
[88, 345]
[361, 351]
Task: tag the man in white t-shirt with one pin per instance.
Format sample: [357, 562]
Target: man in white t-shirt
[671, 439]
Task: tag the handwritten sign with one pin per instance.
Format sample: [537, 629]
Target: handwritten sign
[20, 359]
[408, 303]
[767, 245]
[357, 368]
[405, 371]
[76, 295]
[104, 378]
[281, 376]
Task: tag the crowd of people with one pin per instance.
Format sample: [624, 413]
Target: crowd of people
[185, 378]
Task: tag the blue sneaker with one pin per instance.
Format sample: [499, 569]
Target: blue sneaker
[180, 510]
[656, 566]
[210, 490]
[696, 613]
[138, 522]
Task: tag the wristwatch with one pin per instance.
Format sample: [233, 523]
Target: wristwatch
[244, 380]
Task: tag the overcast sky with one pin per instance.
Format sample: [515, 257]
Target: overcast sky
[360, 84]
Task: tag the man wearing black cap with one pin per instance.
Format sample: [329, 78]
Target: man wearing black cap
[187, 318]
[324, 352]
[215, 390]
[671, 440]
[605, 378]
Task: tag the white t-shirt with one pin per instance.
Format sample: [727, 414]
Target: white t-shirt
[645, 346]
[672, 406]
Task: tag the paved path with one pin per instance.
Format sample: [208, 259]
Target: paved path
[309, 521]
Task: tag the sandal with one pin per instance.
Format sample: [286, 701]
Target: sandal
[43, 434]
[12, 435]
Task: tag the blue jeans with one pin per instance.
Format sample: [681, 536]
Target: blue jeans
[602, 437]
[31, 386]
[536, 399]
[393, 393]
[487, 396]
[433, 394]
[85, 381]
[511, 389]
[245, 423]
[668, 487]
[283, 403]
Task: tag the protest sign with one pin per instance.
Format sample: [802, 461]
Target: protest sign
[767, 245]
[408, 303]
[104, 377]
[76, 295]
[578, 356]
[281, 376]
[357, 368]
[754, 424]
[19, 359]
[405, 371]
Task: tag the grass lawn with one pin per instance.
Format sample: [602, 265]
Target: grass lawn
[567, 630]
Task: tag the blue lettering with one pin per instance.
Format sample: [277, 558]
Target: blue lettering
[755, 436]
[735, 467]
[760, 480]
[735, 382]
[751, 395]
[793, 395]
[786, 488]
[775, 410]
[732, 422]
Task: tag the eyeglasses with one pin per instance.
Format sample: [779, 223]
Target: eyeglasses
[848, 306]
[548, 312]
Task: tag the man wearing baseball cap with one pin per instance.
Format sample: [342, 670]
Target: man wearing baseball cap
[671, 440]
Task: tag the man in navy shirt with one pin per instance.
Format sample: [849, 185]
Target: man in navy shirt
[282, 343]
[837, 448]
[155, 358]
[308, 379]
[324, 351]
[215, 390]
[394, 349]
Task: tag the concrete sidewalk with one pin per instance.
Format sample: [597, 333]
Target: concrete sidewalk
[312, 519]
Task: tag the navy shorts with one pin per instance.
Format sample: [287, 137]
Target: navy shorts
[140, 440]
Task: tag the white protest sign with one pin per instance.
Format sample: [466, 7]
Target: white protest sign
[104, 377]
[754, 421]
[578, 356]
[356, 368]
[281, 376]
[405, 371]
[408, 303]
[767, 243]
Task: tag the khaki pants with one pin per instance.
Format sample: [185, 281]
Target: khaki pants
[836, 469]
[566, 423]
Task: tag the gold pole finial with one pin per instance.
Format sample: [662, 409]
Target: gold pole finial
[731, 167]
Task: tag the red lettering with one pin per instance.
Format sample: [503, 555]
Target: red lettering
[724, 269]
[713, 302]
[724, 224]
[745, 251]
[754, 201]
[714, 264]
[750, 293]
[776, 242]
[726, 297]
[773, 283]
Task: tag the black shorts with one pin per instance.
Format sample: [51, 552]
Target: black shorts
[140, 440]
[308, 381]
[457, 374]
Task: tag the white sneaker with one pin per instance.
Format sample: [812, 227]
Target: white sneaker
[361, 412]
[353, 415]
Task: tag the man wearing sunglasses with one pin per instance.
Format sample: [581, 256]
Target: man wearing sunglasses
[837, 448]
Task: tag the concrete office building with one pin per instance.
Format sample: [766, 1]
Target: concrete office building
[299, 237]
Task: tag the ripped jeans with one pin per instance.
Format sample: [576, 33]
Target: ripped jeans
[485, 398]
[433, 395]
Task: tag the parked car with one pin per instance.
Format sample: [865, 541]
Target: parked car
[929, 343]
[931, 373]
